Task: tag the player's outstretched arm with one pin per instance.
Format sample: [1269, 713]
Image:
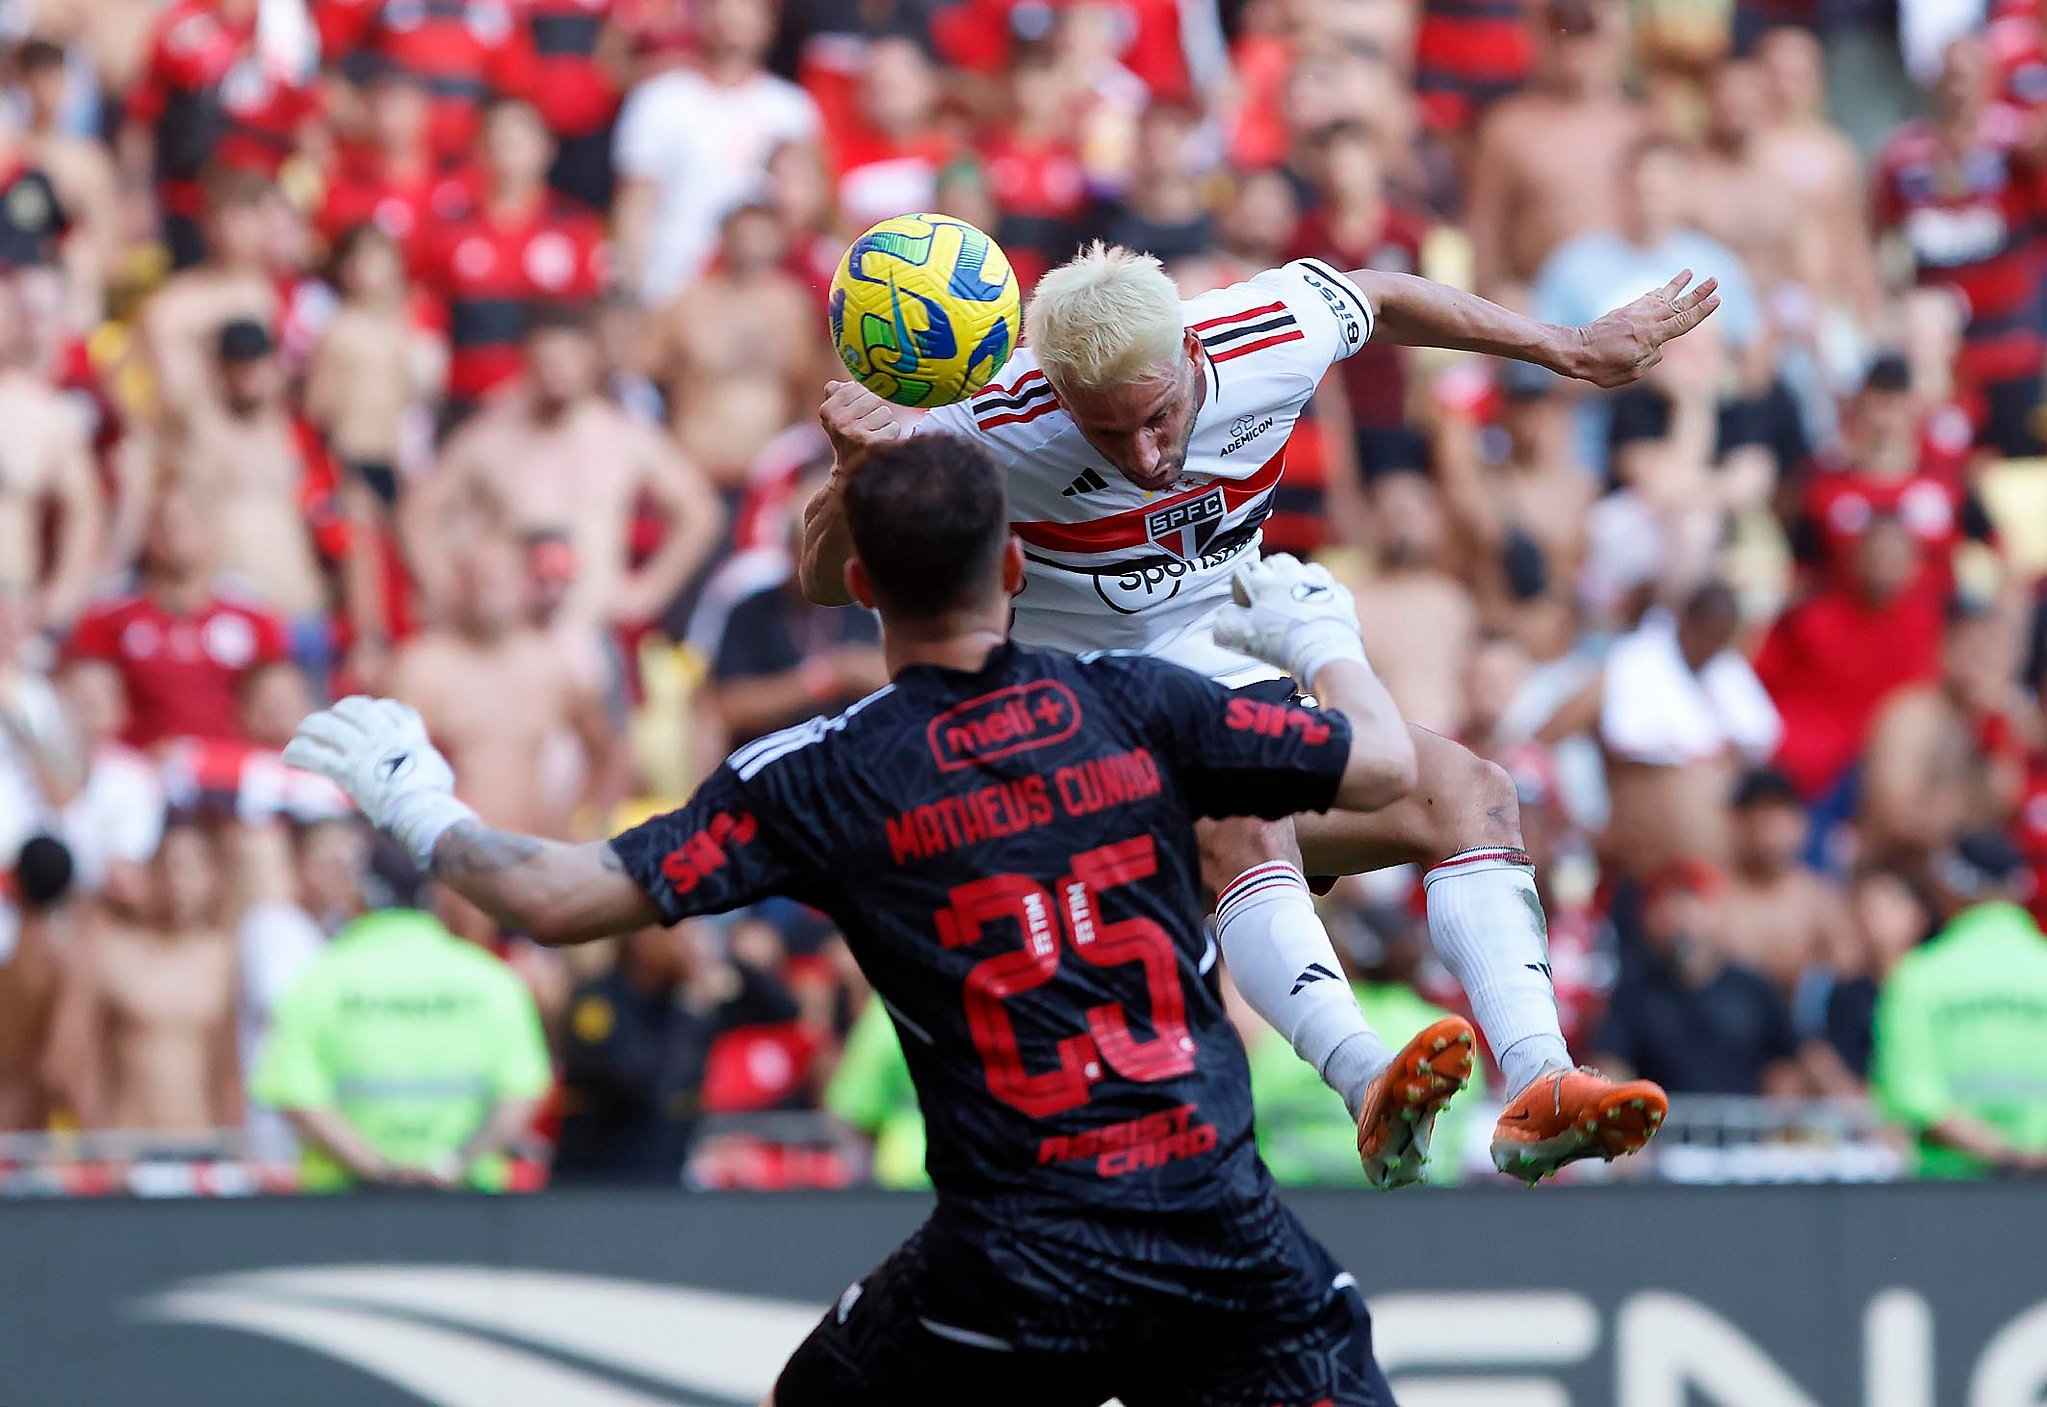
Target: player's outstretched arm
[1612, 351]
[377, 751]
[854, 419]
[1295, 615]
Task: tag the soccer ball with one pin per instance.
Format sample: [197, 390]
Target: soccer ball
[924, 309]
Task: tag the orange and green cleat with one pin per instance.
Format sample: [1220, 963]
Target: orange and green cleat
[1566, 1115]
[1401, 1103]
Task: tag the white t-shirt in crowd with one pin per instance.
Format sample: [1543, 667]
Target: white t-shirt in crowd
[1655, 710]
[704, 147]
[117, 814]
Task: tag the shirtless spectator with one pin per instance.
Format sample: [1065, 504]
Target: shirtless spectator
[181, 323]
[1782, 916]
[1419, 621]
[458, 675]
[1548, 160]
[1735, 198]
[692, 142]
[39, 931]
[1680, 714]
[1518, 525]
[1807, 155]
[740, 352]
[182, 642]
[1947, 755]
[555, 456]
[82, 173]
[145, 1036]
[46, 478]
[258, 470]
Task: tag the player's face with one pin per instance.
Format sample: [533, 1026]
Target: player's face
[1142, 427]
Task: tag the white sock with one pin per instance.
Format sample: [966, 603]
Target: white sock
[1281, 960]
[1488, 928]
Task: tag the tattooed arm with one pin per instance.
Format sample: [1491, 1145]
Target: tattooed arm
[555, 892]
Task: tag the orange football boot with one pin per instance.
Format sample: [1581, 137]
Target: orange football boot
[1402, 1101]
[1566, 1115]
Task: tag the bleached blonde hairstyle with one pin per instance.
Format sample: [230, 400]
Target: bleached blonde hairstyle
[1106, 317]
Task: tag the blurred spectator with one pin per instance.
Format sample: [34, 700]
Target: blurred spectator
[459, 673]
[229, 84]
[579, 53]
[37, 926]
[81, 173]
[1418, 619]
[730, 392]
[554, 456]
[1831, 660]
[1647, 239]
[1685, 1015]
[1837, 1002]
[1161, 209]
[389, 176]
[634, 1053]
[692, 143]
[182, 645]
[1680, 713]
[1305, 1136]
[1961, 1027]
[1946, 755]
[277, 940]
[405, 1057]
[1034, 166]
[117, 813]
[871, 1092]
[1782, 918]
[1886, 465]
[1956, 189]
[1550, 161]
[462, 52]
[779, 660]
[49, 480]
[145, 1030]
[1518, 523]
[40, 769]
[520, 249]
[890, 154]
[232, 281]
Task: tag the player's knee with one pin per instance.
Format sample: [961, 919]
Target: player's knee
[1228, 848]
[1483, 806]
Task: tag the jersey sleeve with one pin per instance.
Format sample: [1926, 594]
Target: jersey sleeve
[1334, 317]
[1236, 755]
[715, 853]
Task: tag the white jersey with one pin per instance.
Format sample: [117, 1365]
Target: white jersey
[1113, 566]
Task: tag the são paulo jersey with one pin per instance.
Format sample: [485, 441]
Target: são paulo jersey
[1112, 566]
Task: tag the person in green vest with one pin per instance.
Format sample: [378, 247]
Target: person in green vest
[871, 1091]
[1961, 1027]
[405, 1057]
[1306, 1137]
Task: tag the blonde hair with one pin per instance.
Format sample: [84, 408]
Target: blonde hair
[1106, 317]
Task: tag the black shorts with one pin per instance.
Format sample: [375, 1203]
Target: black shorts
[930, 1327]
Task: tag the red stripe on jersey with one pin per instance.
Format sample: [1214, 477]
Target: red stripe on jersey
[1292, 335]
[1020, 417]
[1126, 529]
[1244, 316]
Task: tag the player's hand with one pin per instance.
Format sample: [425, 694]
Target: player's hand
[856, 420]
[377, 751]
[1625, 343]
[1292, 614]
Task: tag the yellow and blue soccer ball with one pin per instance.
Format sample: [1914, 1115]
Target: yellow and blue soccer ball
[924, 309]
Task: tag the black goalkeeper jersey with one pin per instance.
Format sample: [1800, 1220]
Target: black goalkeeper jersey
[1011, 856]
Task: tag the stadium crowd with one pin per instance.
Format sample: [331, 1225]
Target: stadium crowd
[467, 351]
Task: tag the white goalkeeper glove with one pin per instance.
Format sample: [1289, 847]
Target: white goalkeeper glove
[377, 751]
[1292, 614]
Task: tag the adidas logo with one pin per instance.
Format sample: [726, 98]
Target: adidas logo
[1313, 972]
[1088, 482]
[1543, 968]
